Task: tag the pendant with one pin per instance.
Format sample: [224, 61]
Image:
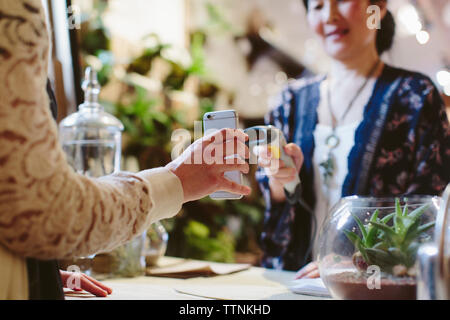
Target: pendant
[328, 166]
[332, 141]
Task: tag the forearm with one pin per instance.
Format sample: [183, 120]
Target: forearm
[71, 215]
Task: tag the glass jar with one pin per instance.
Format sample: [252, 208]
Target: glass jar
[91, 139]
[155, 244]
[368, 246]
[443, 246]
[433, 259]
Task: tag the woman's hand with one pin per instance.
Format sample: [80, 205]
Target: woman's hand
[201, 167]
[85, 283]
[277, 171]
[310, 271]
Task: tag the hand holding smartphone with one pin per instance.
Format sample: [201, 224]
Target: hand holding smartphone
[215, 121]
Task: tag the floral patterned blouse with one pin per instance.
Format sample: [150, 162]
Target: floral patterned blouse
[402, 147]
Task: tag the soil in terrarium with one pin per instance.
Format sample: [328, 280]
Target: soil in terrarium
[354, 286]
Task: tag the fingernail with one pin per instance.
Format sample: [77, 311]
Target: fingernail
[102, 293]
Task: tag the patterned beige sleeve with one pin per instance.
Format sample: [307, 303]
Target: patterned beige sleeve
[47, 210]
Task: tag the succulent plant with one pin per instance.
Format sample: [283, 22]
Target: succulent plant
[390, 242]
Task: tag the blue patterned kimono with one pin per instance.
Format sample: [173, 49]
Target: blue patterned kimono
[402, 147]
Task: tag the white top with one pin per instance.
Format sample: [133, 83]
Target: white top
[346, 135]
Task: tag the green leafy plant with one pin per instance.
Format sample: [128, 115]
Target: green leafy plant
[390, 242]
[203, 245]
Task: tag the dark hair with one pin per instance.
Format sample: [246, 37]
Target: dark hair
[385, 36]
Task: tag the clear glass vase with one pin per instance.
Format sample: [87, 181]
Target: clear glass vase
[155, 243]
[368, 246]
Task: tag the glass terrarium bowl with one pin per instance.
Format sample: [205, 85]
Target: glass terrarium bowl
[377, 263]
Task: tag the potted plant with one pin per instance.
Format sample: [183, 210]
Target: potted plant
[368, 246]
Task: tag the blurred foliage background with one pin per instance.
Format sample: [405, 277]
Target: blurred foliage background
[154, 94]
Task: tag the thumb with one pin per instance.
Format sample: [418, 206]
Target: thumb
[295, 152]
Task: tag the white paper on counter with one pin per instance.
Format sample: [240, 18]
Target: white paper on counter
[312, 287]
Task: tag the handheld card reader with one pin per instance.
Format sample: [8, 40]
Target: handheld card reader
[274, 139]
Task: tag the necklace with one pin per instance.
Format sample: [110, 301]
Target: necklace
[328, 166]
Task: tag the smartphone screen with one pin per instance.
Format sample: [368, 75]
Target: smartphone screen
[219, 120]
